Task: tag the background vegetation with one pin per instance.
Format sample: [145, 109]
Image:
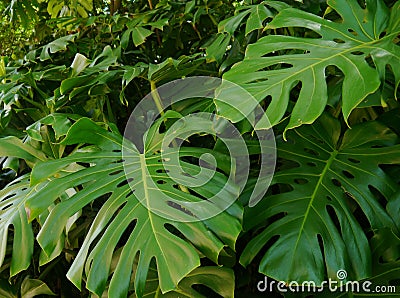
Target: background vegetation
[327, 74]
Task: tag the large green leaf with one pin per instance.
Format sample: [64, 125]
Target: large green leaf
[13, 216]
[330, 191]
[171, 239]
[275, 64]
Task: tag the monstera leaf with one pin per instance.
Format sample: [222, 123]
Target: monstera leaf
[329, 191]
[349, 45]
[136, 215]
[12, 211]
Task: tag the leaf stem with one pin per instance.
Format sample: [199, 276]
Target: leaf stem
[337, 110]
[157, 101]
[156, 97]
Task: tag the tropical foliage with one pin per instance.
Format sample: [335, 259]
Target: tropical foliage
[72, 223]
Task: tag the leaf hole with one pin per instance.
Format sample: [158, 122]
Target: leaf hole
[336, 182]
[311, 151]
[6, 206]
[312, 164]
[357, 53]
[357, 212]
[83, 164]
[338, 40]
[378, 195]
[283, 65]
[267, 101]
[129, 193]
[332, 214]
[8, 197]
[162, 128]
[119, 161]
[187, 175]
[127, 233]
[321, 248]
[115, 172]
[348, 174]
[180, 208]
[15, 182]
[173, 230]
[161, 182]
[279, 188]
[284, 164]
[162, 171]
[329, 198]
[370, 61]
[316, 139]
[300, 181]
[117, 150]
[125, 182]
[295, 91]
[352, 32]
[164, 159]
[353, 160]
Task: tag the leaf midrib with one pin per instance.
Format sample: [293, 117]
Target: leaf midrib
[316, 189]
[147, 198]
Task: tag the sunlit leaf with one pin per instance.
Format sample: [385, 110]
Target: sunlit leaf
[275, 64]
[124, 210]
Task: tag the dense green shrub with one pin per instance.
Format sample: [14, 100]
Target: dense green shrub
[327, 75]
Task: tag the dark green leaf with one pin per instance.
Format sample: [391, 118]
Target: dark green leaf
[328, 181]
